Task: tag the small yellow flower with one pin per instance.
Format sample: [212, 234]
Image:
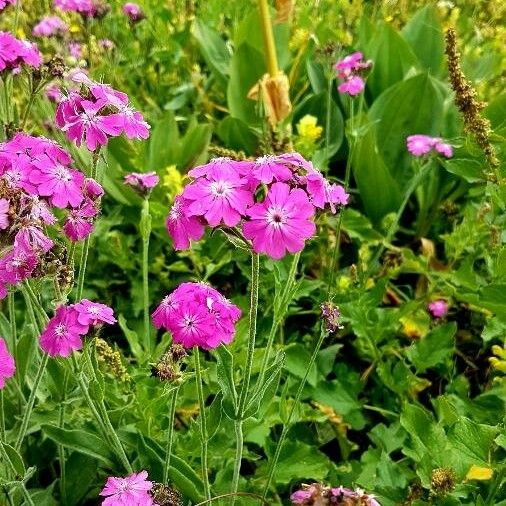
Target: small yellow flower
[172, 180]
[20, 33]
[299, 38]
[479, 473]
[307, 128]
[74, 28]
[499, 361]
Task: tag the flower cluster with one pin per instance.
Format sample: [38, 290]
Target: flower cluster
[420, 145]
[35, 176]
[349, 70]
[86, 8]
[197, 315]
[50, 26]
[130, 491]
[317, 494]
[97, 112]
[133, 12]
[5, 3]
[7, 365]
[438, 308]
[142, 183]
[63, 334]
[225, 192]
[15, 52]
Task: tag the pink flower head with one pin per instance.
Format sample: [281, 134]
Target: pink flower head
[133, 12]
[4, 214]
[7, 365]
[15, 52]
[420, 145]
[181, 226]
[94, 313]
[352, 86]
[349, 64]
[5, 3]
[17, 265]
[60, 183]
[75, 50]
[197, 315]
[438, 308]
[281, 223]
[443, 148]
[130, 491]
[53, 93]
[92, 188]
[322, 192]
[62, 334]
[79, 222]
[219, 198]
[301, 496]
[106, 44]
[49, 26]
[32, 237]
[142, 183]
[87, 8]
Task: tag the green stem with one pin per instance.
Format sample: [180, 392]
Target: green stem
[31, 100]
[203, 423]
[327, 119]
[170, 433]
[268, 37]
[61, 448]
[31, 402]
[2, 416]
[9, 463]
[287, 425]
[279, 315]
[238, 456]
[145, 227]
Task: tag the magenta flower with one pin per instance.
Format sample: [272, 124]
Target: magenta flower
[17, 265]
[130, 491]
[79, 222]
[181, 226]
[270, 167]
[219, 198]
[4, 214]
[352, 86]
[32, 237]
[62, 334]
[94, 313]
[87, 8]
[420, 145]
[15, 52]
[281, 223]
[133, 12]
[7, 365]
[443, 148]
[142, 183]
[53, 93]
[61, 184]
[49, 26]
[301, 496]
[75, 50]
[322, 192]
[438, 308]
[350, 64]
[197, 315]
[5, 3]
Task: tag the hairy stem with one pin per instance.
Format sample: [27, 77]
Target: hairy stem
[170, 433]
[145, 229]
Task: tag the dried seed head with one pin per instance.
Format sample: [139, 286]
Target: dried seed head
[163, 495]
[112, 360]
[331, 316]
[442, 481]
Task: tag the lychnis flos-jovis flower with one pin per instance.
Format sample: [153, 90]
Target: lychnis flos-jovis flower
[350, 72]
[272, 201]
[36, 175]
[421, 145]
[130, 491]
[14, 53]
[7, 365]
[197, 315]
[63, 334]
[317, 494]
[97, 112]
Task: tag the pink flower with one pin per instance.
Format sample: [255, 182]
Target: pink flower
[181, 226]
[130, 491]
[281, 223]
[32, 237]
[17, 265]
[419, 145]
[92, 188]
[53, 93]
[322, 192]
[88, 8]
[15, 52]
[79, 222]
[142, 183]
[443, 148]
[75, 50]
[219, 198]
[438, 308]
[50, 25]
[352, 86]
[94, 313]
[62, 334]
[197, 315]
[349, 64]
[133, 12]
[61, 184]
[4, 214]
[5, 3]
[7, 365]
[106, 44]
[301, 496]
[270, 167]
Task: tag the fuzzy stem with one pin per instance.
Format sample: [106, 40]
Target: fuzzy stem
[203, 422]
[287, 425]
[170, 433]
[31, 402]
[2, 416]
[61, 448]
[145, 229]
[268, 37]
[238, 456]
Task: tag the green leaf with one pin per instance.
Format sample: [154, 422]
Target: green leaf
[80, 441]
[225, 373]
[414, 106]
[237, 135]
[392, 57]
[131, 337]
[425, 34]
[246, 68]
[297, 359]
[469, 169]
[435, 348]
[16, 460]
[194, 144]
[213, 48]
[164, 145]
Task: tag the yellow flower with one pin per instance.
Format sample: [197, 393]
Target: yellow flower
[479, 473]
[74, 28]
[308, 129]
[499, 361]
[299, 38]
[173, 181]
[20, 33]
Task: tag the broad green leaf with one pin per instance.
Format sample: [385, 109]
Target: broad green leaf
[297, 358]
[414, 106]
[16, 460]
[194, 144]
[164, 145]
[131, 336]
[246, 68]
[80, 441]
[213, 48]
[425, 34]
[378, 190]
[237, 135]
[392, 57]
[435, 348]
[225, 373]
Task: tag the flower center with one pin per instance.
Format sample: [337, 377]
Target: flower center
[220, 188]
[62, 173]
[276, 217]
[264, 159]
[60, 330]
[93, 310]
